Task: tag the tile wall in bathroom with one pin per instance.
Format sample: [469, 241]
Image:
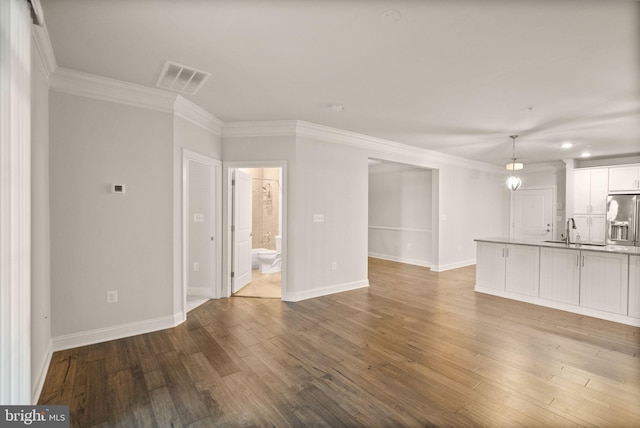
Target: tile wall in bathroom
[265, 206]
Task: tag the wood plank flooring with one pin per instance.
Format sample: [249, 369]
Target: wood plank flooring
[417, 348]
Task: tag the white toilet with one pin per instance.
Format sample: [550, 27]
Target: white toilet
[271, 260]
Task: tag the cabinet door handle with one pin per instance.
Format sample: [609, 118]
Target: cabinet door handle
[582, 261]
[502, 252]
[577, 260]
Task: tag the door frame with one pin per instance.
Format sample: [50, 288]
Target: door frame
[216, 209]
[227, 217]
[512, 208]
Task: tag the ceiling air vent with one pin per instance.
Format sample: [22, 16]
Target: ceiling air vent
[180, 78]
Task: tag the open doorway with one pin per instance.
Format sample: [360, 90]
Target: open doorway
[256, 232]
[401, 213]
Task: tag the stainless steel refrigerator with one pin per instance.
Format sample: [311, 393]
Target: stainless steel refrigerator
[623, 222]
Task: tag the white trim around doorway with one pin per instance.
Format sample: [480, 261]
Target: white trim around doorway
[227, 168]
[216, 290]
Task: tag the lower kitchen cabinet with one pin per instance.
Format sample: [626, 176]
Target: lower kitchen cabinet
[560, 275]
[522, 269]
[604, 281]
[634, 286]
[490, 265]
[514, 268]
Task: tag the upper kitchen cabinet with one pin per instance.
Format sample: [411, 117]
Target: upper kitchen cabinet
[590, 191]
[624, 178]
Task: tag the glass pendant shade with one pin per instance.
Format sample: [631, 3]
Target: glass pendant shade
[514, 182]
[514, 166]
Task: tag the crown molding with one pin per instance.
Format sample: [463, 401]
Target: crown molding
[106, 89]
[275, 128]
[428, 158]
[394, 167]
[197, 115]
[298, 128]
[42, 44]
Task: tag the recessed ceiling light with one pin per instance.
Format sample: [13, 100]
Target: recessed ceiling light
[567, 145]
[585, 154]
[391, 16]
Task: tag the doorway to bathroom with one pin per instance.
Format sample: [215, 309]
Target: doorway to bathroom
[257, 202]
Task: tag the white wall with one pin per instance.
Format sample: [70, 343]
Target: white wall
[330, 180]
[102, 241]
[400, 213]
[470, 201]
[40, 227]
[187, 135]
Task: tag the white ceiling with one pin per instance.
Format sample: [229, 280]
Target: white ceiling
[455, 76]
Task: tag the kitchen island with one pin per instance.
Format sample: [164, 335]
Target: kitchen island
[597, 281]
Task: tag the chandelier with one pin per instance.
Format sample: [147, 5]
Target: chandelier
[514, 182]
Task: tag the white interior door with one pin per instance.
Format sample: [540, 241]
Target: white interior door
[241, 230]
[533, 211]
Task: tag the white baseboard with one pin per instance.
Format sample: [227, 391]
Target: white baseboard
[456, 265]
[91, 337]
[38, 382]
[404, 260]
[323, 291]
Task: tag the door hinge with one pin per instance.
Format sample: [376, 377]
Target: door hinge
[233, 228]
[233, 274]
[233, 182]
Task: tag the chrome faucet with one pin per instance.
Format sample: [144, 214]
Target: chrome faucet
[567, 238]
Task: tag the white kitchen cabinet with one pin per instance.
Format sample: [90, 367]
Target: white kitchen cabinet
[590, 189]
[514, 268]
[490, 265]
[604, 281]
[624, 178]
[634, 286]
[592, 228]
[522, 269]
[560, 275]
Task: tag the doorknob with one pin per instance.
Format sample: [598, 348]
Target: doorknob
[212, 238]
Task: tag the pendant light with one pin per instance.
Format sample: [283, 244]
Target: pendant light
[514, 182]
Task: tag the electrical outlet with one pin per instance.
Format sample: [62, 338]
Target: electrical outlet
[112, 296]
[334, 265]
[196, 267]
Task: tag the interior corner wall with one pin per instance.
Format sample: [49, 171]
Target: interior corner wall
[186, 135]
[331, 182]
[101, 241]
[400, 214]
[40, 227]
[473, 204]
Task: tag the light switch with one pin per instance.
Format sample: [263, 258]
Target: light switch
[318, 218]
[198, 218]
[117, 188]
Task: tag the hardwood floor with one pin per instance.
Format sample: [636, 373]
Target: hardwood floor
[417, 348]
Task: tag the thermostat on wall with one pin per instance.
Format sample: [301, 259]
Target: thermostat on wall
[117, 188]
